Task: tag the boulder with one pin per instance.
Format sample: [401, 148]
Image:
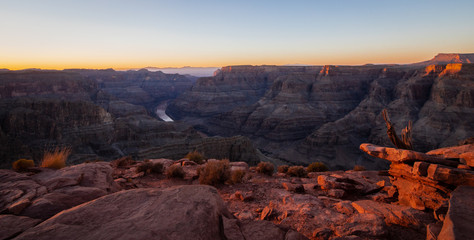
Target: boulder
[364, 225]
[97, 175]
[460, 216]
[394, 214]
[184, 212]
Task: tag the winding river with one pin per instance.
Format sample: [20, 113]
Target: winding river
[160, 112]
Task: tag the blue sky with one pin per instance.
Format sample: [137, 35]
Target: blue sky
[121, 34]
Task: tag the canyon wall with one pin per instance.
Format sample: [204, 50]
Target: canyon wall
[305, 114]
[101, 115]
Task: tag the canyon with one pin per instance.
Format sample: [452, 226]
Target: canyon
[298, 115]
[283, 114]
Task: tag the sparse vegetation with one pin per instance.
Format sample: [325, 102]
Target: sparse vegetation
[55, 159]
[175, 171]
[266, 168]
[195, 156]
[150, 167]
[237, 176]
[21, 165]
[317, 167]
[123, 161]
[297, 171]
[359, 168]
[283, 168]
[215, 172]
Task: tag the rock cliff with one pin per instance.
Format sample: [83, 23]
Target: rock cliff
[305, 114]
[100, 114]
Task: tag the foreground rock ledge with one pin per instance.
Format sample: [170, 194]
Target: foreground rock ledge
[186, 212]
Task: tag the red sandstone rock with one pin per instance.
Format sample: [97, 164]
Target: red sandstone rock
[460, 216]
[464, 152]
[11, 225]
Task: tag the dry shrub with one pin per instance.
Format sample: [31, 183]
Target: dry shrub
[21, 165]
[237, 176]
[317, 167]
[175, 171]
[195, 156]
[123, 161]
[297, 171]
[283, 168]
[359, 168]
[55, 159]
[265, 168]
[214, 173]
[149, 167]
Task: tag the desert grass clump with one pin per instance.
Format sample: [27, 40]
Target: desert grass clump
[359, 168]
[283, 168]
[195, 156]
[265, 168]
[237, 176]
[215, 172]
[22, 165]
[55, 159]
[175, 171]
[297, 171]
[317, 167]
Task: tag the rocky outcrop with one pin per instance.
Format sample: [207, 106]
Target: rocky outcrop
[306, 114]
[427, 181]
[48, 192]
[182, 212]
[445, 58]
[422, 180]
[457, 224]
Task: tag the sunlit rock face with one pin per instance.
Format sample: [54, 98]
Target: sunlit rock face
[305, 114]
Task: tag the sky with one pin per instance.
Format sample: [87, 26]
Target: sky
[58, 34]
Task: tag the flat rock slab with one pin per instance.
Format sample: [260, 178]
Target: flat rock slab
[465, 152]
[184, 212]
[460, 216]
[11, 225]
[394, 214]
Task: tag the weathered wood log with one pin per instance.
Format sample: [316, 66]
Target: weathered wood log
[406, 142]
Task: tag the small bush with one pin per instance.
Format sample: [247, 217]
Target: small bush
[359, 168]
[175, 171]
[283, 168]
[317, 167]
[149, 167]
[21, 165]
[157, 168]
[123, 161]
[195, 157]
[55, 159]
[215, 172]
[297, 171]
[237, 176]
[265, 168]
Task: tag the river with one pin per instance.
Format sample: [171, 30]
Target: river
[160, 112]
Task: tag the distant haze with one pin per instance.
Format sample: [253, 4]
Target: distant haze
[194, 71]
[56, 34]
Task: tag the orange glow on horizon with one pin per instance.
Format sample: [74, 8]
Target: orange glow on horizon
[327, 59]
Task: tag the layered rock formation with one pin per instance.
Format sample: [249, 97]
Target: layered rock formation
[100, 114]
[441, 181]
[305, 114]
